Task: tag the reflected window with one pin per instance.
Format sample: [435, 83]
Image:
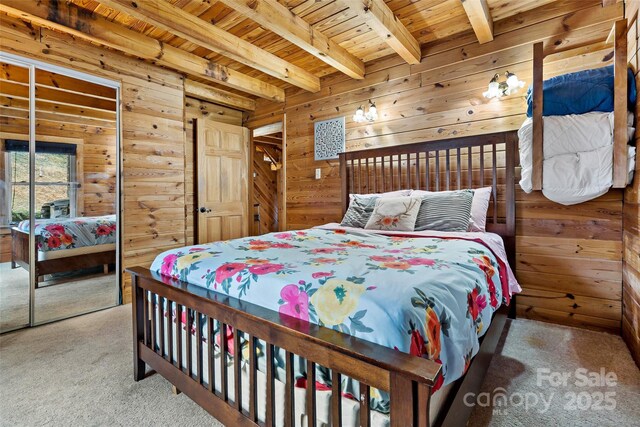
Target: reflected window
[55, 180]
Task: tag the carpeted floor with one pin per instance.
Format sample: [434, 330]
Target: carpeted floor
[55, 298]
[79, 372]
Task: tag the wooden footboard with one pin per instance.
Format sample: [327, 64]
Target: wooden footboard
[408, 379]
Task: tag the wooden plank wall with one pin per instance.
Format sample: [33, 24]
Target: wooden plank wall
[99, 174]
[153, 135]
[569, 258]
[201, 110]
[631, 220]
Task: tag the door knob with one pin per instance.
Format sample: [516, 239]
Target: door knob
[204, 210]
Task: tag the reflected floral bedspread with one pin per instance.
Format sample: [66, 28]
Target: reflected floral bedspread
[67, 233]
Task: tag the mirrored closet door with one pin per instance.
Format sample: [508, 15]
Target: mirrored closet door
[15, 118]
[60, 190]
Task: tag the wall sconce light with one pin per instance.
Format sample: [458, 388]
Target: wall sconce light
[370, 116]
[498, 89]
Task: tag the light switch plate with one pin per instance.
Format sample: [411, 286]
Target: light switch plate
[318, 173]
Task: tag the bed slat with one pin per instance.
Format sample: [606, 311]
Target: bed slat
[400, 182]
[481, 166]
[179, 336]
[237, 369]
[437, 170]
[253, 413]
[384, 175]
[359, 176]
[210, 354]
[459, 172]
[448, 169]
[145, 316]
[418, 176]
[469, 169]
[170, 329]
[270, 405]
[189, 341]
[365, 411]
[391, 174]
[368, 175]
[494, 183]
[154, 312]
[311, 394]
[336, 398]
[199, 347]
[352, 171]
[222, 333]
[161, 325]
[428, 174]
[289, 398]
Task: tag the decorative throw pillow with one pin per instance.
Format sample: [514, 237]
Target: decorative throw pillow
[445, 211]
[479, 208]
[394, 213]
[360, 209]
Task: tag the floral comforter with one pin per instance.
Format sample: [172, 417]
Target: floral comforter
[66, 233]
[432, 297]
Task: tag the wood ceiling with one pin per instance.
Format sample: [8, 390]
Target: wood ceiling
[247, 49]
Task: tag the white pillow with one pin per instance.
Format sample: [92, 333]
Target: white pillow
[479, 207]
[398, 193]
[395, 214]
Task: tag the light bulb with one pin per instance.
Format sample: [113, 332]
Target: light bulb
[513, 81]
[359, 115]
[372, 114]
[493, 91]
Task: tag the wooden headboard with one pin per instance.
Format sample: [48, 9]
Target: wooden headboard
[469, 162]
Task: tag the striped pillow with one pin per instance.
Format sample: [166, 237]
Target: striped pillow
[360, 209]
[445, 211]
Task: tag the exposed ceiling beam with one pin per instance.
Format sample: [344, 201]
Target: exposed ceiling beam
[382, 20]
[217, 96]
[480, 19]
[181, 23]
[277, 18]
[67, 18]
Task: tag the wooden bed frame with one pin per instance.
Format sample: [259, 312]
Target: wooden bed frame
[20, 258]
[408, 379]
[620, 108]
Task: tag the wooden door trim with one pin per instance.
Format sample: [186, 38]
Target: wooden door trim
[250, 184]
[282, 194]
[196, 185]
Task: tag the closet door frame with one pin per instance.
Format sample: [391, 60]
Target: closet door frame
[32, 65]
